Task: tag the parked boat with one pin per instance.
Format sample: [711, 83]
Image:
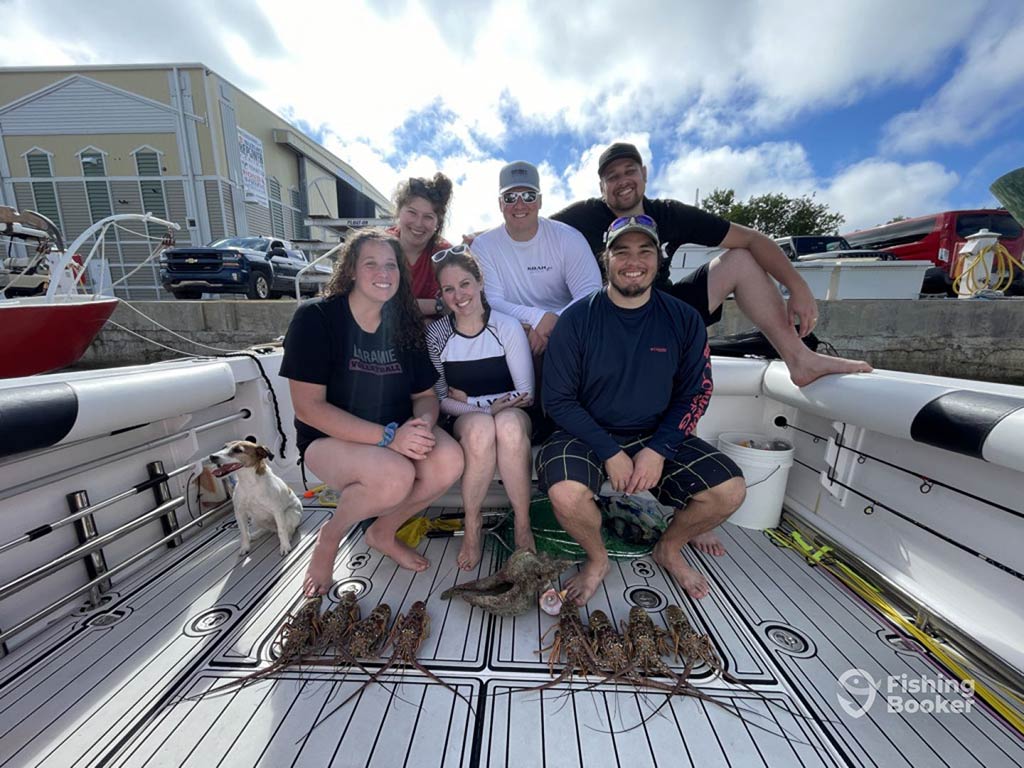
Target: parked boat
[48, 318]
[879, 624]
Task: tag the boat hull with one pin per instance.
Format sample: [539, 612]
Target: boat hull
[39, 336]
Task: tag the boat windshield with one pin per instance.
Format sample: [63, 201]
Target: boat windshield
[824, 244]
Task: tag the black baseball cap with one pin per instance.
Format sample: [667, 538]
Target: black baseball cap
[617, 151]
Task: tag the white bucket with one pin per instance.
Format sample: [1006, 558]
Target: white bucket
[765, 472]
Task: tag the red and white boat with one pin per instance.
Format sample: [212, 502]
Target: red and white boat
[46, 331]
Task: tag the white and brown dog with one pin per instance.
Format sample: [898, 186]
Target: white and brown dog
[259, 495]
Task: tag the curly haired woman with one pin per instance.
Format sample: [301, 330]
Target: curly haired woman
[422, 206]
[365, 409]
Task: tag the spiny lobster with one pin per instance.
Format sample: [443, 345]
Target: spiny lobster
[406, 638]
[337, 622]
[689, 645]
[572, 639]
[298, 636]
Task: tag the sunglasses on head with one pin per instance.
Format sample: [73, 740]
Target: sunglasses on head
[640, 220]
[625, 221]
[526, 195]
[455, 250]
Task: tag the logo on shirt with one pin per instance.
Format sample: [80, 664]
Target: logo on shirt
[659, 349]
[539, 268]
[380, 362]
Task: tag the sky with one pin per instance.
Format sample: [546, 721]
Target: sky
[879, 108]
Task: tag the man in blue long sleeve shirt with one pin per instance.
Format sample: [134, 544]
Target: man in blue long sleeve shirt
[627, 377]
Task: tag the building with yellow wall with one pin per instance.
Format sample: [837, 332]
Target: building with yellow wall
[79, 144]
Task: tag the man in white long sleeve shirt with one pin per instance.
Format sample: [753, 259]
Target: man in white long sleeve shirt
[533, 267]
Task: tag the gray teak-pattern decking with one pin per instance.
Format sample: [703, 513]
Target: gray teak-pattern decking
[118, 685]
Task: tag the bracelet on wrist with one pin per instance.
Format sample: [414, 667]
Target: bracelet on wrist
[389, 434]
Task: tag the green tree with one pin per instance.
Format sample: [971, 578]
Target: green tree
[775, 214]
[894, 219]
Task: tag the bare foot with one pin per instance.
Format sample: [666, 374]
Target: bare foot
[672, 560]
[708, 543]
[405, 556]
[524, 538]
[472, 545]
[812, 366]
[320, 574]
[581, 587]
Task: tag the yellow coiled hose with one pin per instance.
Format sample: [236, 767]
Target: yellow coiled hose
[997, 278]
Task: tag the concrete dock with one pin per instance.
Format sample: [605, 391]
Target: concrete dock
[970, 338]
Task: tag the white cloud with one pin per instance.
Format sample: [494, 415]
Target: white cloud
[770, 167]
[721, 69]
[806, 55]
[874, 191]
[711, 123]
[225, 35]
[983, 94]
[867, 193]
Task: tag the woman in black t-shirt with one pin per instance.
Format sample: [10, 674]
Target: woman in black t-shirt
[365, 408]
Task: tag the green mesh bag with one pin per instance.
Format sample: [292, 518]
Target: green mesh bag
[629, 528]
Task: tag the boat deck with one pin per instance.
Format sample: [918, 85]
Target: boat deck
[119, 685]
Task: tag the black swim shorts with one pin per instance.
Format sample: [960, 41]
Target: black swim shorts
[693, 289]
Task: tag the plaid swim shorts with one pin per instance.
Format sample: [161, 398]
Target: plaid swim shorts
[697, 466]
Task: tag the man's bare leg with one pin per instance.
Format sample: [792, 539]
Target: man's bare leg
[736, 271]
[577, 513]
[704, 511]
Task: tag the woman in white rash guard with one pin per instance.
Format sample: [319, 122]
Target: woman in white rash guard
[485, 380]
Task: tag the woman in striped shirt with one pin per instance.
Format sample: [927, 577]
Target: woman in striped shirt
[485, 380]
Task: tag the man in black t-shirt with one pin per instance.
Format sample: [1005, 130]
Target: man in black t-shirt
[742, 270]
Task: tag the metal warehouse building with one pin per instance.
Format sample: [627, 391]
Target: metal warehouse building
[78, 144]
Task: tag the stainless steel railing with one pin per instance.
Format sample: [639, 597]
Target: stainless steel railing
[42, 530]
[91, 545]
[43, 612]
[82, 551]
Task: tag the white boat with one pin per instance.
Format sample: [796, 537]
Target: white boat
[123, 600]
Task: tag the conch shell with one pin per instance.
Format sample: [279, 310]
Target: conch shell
[512, 590]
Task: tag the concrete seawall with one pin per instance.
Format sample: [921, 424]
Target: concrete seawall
[972, 339]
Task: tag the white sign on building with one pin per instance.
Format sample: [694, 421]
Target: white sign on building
[254, 179]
